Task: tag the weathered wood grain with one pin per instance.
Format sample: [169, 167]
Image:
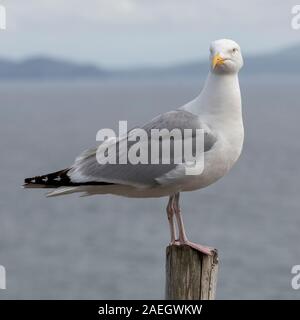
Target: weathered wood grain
[190, 275]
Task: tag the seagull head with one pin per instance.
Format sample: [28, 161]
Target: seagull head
[225, 56]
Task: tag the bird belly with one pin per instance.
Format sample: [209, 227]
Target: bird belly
[217, 162]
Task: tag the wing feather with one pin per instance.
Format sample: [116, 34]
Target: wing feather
[87, 169]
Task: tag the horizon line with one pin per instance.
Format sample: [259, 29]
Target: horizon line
[79, 62]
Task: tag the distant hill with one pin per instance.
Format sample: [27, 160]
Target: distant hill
[47, 68]
[285, 61]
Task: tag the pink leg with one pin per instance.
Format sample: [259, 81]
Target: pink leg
[183, 240]
[170, 213]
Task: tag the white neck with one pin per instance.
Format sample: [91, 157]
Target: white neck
[221, 94]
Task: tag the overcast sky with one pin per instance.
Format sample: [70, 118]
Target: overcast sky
[123, 33]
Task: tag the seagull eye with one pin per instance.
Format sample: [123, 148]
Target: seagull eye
[234, 50]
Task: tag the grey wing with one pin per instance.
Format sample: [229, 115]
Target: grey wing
[87, 169]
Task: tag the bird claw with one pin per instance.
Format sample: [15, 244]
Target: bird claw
[203, 249]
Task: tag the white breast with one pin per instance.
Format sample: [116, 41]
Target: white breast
[219, 107]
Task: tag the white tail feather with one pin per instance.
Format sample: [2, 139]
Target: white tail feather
[62, 191]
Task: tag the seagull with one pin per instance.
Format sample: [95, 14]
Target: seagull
[217, 110]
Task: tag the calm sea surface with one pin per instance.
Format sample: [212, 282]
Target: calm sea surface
[107, 247]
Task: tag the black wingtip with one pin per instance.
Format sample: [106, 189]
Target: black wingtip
[53, 179]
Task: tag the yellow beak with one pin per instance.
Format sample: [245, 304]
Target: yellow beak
[217, 60]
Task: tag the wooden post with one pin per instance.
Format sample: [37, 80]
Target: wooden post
[190, 275]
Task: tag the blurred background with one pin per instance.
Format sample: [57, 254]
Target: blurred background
[69, 68]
